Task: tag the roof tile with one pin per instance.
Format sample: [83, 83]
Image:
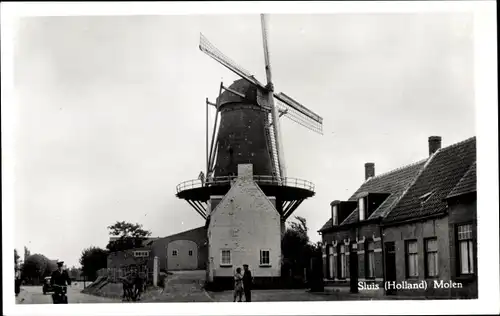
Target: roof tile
[467, 184]
[444, 170]
[394, 182]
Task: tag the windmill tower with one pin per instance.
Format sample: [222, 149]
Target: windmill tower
[246, 131]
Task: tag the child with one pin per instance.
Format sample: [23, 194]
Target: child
[238, 285]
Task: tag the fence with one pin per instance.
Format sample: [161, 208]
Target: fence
[115, 274]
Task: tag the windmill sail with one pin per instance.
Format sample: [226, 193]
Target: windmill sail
[273, 151]
[299, 113]
[212, 51]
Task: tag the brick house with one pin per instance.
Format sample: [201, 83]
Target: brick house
[183, 251]
[462, 227]
[397, 227]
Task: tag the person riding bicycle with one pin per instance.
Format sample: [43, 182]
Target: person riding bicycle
[59, 278]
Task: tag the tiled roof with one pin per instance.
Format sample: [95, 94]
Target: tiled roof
[444, 170]
[176, 235]
[145, 241]
[467, 184]
[394, 182]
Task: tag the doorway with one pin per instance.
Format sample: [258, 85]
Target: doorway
[353, 270]
[390, 266]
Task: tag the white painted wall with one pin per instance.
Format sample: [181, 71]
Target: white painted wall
[183, 260]
[245, 221]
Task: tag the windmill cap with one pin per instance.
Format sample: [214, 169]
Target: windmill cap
[241, 86]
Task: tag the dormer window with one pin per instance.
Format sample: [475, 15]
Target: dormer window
[361, 209]
[335, 215]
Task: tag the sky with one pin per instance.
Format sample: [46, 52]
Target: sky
[111, 110]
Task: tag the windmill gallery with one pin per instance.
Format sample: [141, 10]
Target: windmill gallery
[245, 195]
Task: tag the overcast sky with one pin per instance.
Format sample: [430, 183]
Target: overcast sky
[112, 110]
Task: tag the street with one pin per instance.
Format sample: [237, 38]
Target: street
[33, 295]
[186, 286]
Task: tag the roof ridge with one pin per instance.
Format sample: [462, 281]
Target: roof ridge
[397, 169]
[457, 144]
[412, 183]
[435, 154]
[422, 160]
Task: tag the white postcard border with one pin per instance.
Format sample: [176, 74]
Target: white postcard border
[487, 134]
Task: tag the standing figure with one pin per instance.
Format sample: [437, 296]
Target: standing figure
[59, 280]
[238, 285]
[18, 282]
[247, 283]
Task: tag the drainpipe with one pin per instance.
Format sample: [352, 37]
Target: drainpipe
[355, 290]
[383, 256]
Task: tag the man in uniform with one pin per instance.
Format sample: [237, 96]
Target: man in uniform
[247, 283]
[59, 278]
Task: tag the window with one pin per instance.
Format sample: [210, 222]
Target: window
[335, 217]
[174, 252]
[264, 258]
[465, 249]
[225, 259]
[141, 253]
[190, 253]
[331, 262]
[343, 262]
[431, 257]
[370, 259]
[361, 209]
[411, 259]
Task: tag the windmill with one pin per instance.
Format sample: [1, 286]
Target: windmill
[279, 104]
[248, 131]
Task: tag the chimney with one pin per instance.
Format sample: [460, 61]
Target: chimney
[245, 171]
[434, 144]
[369, 170]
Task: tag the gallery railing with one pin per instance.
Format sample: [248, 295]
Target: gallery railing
[264, 180]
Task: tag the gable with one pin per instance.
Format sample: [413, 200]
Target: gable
[244, 189]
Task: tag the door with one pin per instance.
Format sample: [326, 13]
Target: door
[390, 266]
[353, 270]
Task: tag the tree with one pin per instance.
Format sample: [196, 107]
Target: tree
[295, 240]
[37, 266]
[129, 236]
[74, 273]
[16, 260]
[92, 260]
[297, 250]
[27, 253]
